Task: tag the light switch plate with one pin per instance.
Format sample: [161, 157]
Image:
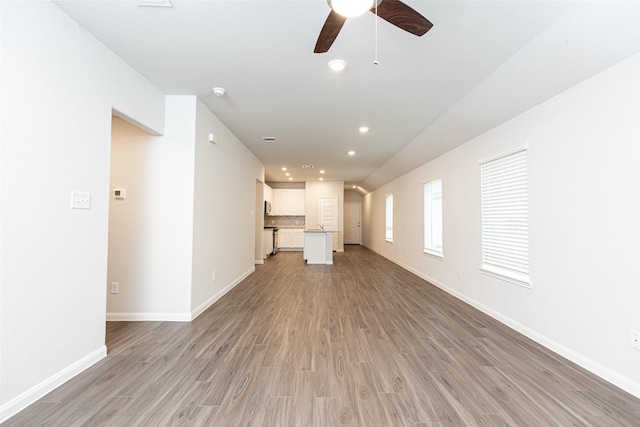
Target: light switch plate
[635, 339]
[80, 200]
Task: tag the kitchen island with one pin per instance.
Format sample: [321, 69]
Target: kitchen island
[318, 247]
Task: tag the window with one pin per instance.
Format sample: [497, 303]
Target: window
[505, 217]
[388, 234]
[433, 217]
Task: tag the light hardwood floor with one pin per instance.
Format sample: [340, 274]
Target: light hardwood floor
[359, 343]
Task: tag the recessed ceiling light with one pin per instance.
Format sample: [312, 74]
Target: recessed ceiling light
[219, 91]
[337, 65]
[287, 174]
[290, 179]
[322, 171]
[363, 129]
[284, 169]
[351, 153]
[355, 186]
[321, 179]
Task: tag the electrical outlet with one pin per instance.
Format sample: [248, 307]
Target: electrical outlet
[635, 340]
[213, 276]
[115, 287]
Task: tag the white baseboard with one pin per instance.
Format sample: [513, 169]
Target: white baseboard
[258, 261]
[597, 369]
[176, 317]
[148, 317]
[208, 303]
[25, 399]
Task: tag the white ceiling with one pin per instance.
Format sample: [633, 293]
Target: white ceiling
[483, 63]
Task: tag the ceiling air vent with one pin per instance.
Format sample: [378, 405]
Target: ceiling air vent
[269, 138]
[154, 3]
[307, 166]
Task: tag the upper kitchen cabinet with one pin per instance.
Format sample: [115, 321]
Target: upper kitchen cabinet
[300, 202]
[288, 202]
[268, 194]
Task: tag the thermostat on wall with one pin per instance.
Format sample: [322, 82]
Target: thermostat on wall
[119, 193]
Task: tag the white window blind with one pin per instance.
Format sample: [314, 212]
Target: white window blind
[433, 217]
[505, 217]
[388, 235]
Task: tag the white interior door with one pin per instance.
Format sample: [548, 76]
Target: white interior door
[352, 220]
[329, 213]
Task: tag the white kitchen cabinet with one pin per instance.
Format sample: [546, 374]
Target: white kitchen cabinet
[300, 202]
[268, 194]
[276, 203]
[291, 238]
[288, 202]
[285, 238]
[298, 238]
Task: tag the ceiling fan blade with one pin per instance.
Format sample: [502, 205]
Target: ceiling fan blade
[329, 32]
[403, 16]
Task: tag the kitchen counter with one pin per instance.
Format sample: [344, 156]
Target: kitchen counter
[318, 246]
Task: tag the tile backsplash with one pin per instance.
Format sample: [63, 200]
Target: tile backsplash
[284, 221]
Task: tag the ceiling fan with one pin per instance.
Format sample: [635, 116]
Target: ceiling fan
[392, 11]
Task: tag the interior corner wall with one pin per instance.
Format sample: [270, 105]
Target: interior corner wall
[151, 230]
[59, 85]
[224, 210]
[584, 219]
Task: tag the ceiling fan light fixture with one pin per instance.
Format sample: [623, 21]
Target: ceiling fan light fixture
[351, 8]
[337, 65]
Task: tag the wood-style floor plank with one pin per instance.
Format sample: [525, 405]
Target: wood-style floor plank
[360, 343]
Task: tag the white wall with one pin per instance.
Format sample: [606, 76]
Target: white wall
[151, 231]
[352, 196]
[190, 211]
[584, 216]
[317, 189]
[224, 210]
[59, 86]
